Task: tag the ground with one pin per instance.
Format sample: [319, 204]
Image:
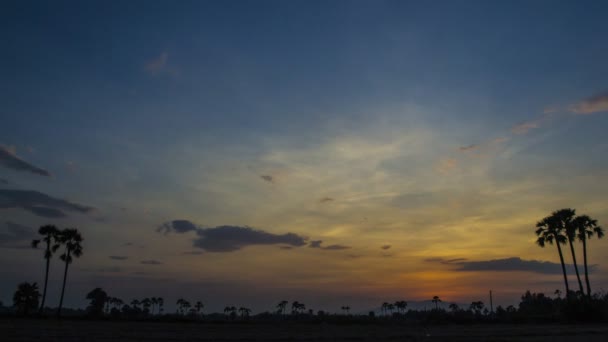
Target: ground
[93, 331]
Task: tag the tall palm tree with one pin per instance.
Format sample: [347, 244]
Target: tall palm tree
[436, 300]
[565, 217]
[199, 306]
[281, 306]
[586, 227]
[244, 312]
[548, 230]
[384, 308]
[71, 239]
[50, 237]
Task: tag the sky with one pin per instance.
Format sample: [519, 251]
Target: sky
[330, 152]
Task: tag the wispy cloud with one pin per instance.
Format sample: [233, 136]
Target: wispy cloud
[385, 247]
[469, 147]
[267, 178]
[118, 257]
[317, 244]
[39, 203]
[505, 265]
[157, 64]
[151, 262]
[15, 235]
[230, 238]
[524, 127]
[9, 159]
[326, 199]
[594, 104]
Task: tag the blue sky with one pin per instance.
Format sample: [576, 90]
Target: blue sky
[362, 124]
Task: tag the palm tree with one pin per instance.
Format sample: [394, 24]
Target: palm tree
[181, 304]
[401, 305]
[135, 304]
[586, 227]
[436, 300]
[146, 303]
[161, 302]
[390, 308]
[453, 307]
[244, 312]
[565, 217]
[26, 297]
[71, 239]
[199, 306]
[281, 306]
[50, 237]
[384, 308]
[549, 231]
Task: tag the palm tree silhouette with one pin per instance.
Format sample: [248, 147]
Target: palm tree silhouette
[281, 306]
[565, 217]
[586, 227]
[26, 297]
[401, 305]
[436, 300]
[146, 303]
[50, 237]
[71, 239]
[161, 302]
[384, 308]
[199, 306]
[453, 307]
[244, 312]
[135, 304]
[548, 231]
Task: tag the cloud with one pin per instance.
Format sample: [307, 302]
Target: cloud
[524, 127]
[447, 165]
[15, 235]
[177, 226]
[469, 147]
[46, 212]
[118, 257]
[3, 181]
[317, 244]
[9, 159]
[385, 247]
[39, 203]
[326, 199]
[594, 104]
[158, 64]
[506, 265]
[230, 238]
[150, 262]
[267, 178]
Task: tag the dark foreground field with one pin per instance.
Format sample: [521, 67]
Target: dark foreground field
[50, 330]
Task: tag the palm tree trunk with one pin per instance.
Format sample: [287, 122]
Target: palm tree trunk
[561, 259]
[578, 277]
[46, 277]
[65, 276]
[586, 270]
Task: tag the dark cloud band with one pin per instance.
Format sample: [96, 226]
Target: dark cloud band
[11, 161]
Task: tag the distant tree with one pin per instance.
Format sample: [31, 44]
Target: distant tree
[558, 293]
[181, 305]
[71, 239]
[476, 307]
[586, 228]
[297, 307]
[401, 305]
[146, 304]
[346, 309]
[244, 312]
[98, 298]
[26, 297]
[436, 300]
[135, 304]
[550, 230]
[199, 306]
[454, 307]
[50, 236]
[231, 311]
[281, 307]
[384, 308]
[161, 302]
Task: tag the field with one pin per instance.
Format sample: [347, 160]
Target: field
[68, 330]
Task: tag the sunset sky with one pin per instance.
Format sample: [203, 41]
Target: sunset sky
[331, 152]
